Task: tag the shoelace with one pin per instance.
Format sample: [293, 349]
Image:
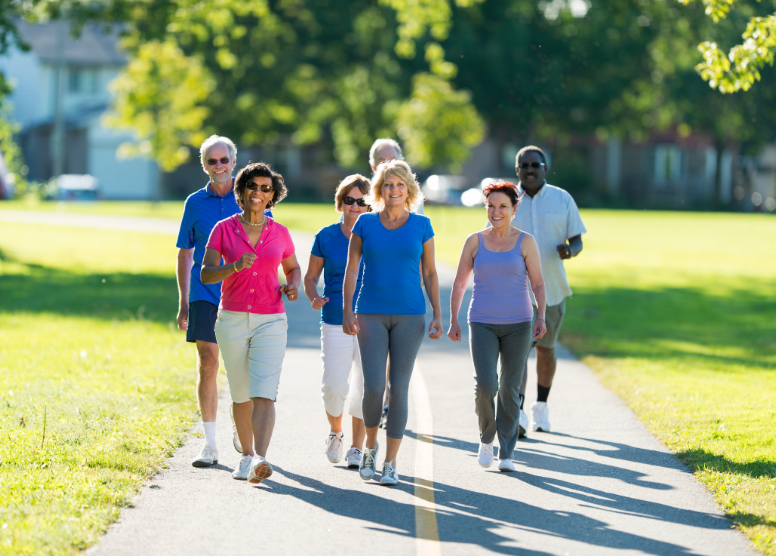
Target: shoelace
[369, 458]
[389, 469]
[331, 440]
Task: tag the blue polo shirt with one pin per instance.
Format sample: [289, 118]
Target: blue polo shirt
[201, 212]
[332, 246]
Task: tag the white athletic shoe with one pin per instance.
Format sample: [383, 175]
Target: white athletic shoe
[243, 468]
[260, 469]
[390, 476]
[353, 457]
[506, 465]
[485, 456]
[522, 424]
[235, 439]
[368, 466]
[208, 455]
[334, 446]
[540, 417]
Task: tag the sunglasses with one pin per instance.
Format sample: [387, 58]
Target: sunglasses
[265, 187]
[214, 161]
[350, 200]
[526, 165]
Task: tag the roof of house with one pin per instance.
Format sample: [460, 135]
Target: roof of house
[92, 47]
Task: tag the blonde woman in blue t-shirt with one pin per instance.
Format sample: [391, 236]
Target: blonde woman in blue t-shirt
[389, 315]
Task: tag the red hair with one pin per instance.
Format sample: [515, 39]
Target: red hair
[507, 188]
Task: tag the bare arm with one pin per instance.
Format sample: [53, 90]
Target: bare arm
[349, 322]
[183, 275]
[314, 269]
[465, 267]
[293, 273]
[213, 272]
[533, 264]
[572, 249]
[431, 281]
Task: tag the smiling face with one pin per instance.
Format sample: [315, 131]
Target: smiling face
[257, 200]
[395, 192]
[531, 178]
[500, 209]
[220, 171]
[352, 212]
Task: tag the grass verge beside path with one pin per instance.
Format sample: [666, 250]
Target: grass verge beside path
[96, 386]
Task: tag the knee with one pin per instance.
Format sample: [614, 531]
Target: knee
[545, 353]
[207, 357]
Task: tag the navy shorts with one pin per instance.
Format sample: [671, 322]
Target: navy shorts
[202, 322]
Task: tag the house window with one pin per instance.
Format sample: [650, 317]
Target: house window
[82, 80]
[668, 164]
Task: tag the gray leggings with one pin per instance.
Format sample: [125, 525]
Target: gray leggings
[379, 335]
[486, 342]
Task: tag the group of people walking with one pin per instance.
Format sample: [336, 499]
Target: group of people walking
[375, 262]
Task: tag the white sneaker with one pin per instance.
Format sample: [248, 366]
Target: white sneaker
[368, 465]
[208, 455]
[235, 439]
[485, 456]
[260, 469]
[353, 457]
[333, 449]
[522, 424]
[506, 465]
[390, 476]
[540, 417]
[243, 468]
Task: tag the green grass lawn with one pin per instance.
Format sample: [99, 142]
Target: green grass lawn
[96, 386]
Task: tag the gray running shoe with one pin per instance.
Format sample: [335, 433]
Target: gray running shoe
[368, 465]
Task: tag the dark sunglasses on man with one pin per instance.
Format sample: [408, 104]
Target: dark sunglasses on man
[265, 187]
[534, 165]
[350, 200]
[214, 161]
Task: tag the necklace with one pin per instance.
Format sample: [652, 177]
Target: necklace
[251, 223]
[394, 222]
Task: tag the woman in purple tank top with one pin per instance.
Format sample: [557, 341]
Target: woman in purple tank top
[503, 260]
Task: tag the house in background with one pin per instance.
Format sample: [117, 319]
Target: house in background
[88, 64]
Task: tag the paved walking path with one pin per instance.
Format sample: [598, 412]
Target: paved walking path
[598, 484]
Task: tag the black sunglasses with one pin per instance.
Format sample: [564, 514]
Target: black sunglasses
[213, 161]
[526, 165]
[350, 200]
[265, 187]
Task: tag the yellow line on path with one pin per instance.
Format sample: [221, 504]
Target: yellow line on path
[426, 530]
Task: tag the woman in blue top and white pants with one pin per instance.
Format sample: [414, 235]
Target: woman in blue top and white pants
[390, 312]
[503, 259]
[339, 351]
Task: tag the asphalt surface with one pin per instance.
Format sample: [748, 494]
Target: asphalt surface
[598, 484]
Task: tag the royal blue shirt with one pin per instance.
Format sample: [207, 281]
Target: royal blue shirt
[332, 246]
[391, 258]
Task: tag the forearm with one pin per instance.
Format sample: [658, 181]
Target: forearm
[431, 281]
[294, 277]
[183, 277]
[540, 295]
[456, 299]
[310, 287]
[216, 274]
[575, 244]
[348, 289]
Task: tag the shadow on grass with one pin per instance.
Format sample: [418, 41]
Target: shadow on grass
[698, 460]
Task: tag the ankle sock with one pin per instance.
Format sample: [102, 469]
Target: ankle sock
[209, 429]
[542, 392]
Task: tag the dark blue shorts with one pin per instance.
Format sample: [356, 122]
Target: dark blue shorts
[202, 322]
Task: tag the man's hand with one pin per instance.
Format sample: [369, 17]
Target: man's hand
[292, 292]
[319, 302]
[564, 251]
[183, 316]
[246, 261]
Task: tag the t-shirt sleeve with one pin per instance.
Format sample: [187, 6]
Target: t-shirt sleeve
[574, 225]
[428, 231]
[288, 250]
[215, 241]
[186, 232]
[317, 251]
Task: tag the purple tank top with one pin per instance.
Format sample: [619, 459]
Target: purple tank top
[500, 294]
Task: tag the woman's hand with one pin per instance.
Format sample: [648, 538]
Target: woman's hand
[539, 329]
[349, 323]
[455, 332]
[246, 261]
[435, 328]
[292, 292]
[319, 302]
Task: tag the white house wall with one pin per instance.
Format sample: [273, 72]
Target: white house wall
[120, 179]
[24, 72]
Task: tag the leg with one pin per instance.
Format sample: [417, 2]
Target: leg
[337, 356]
[356, 395]
[515, 343]
[405, 337]
[242, 420]
[263, 422]
[207, 380]
[484, 348]
[373, 345]
[545, 366]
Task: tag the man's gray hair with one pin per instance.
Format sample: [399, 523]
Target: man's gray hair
[216, 140]
[382, 143]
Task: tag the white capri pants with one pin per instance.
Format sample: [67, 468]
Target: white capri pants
[341, 359]
[253, 347]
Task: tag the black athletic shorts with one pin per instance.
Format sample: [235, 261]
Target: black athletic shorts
[202, 322]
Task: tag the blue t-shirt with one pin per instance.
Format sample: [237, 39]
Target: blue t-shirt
[391, 258]
[201, 212]
[332, 246]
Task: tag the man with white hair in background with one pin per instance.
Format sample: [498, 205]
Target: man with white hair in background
[198, 303]
[388, 149]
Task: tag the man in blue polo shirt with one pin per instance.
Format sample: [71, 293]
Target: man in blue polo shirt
[198, 303]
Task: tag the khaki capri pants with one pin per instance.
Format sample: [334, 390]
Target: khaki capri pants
[253, 347]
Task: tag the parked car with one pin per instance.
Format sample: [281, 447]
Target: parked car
[444, 189]
[73, 187]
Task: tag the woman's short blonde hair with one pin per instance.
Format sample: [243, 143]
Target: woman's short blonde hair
[347, 185]
[398, 169]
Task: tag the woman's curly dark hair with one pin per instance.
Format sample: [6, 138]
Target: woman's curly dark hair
[259, 170]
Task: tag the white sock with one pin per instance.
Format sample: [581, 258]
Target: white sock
[210, 433]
